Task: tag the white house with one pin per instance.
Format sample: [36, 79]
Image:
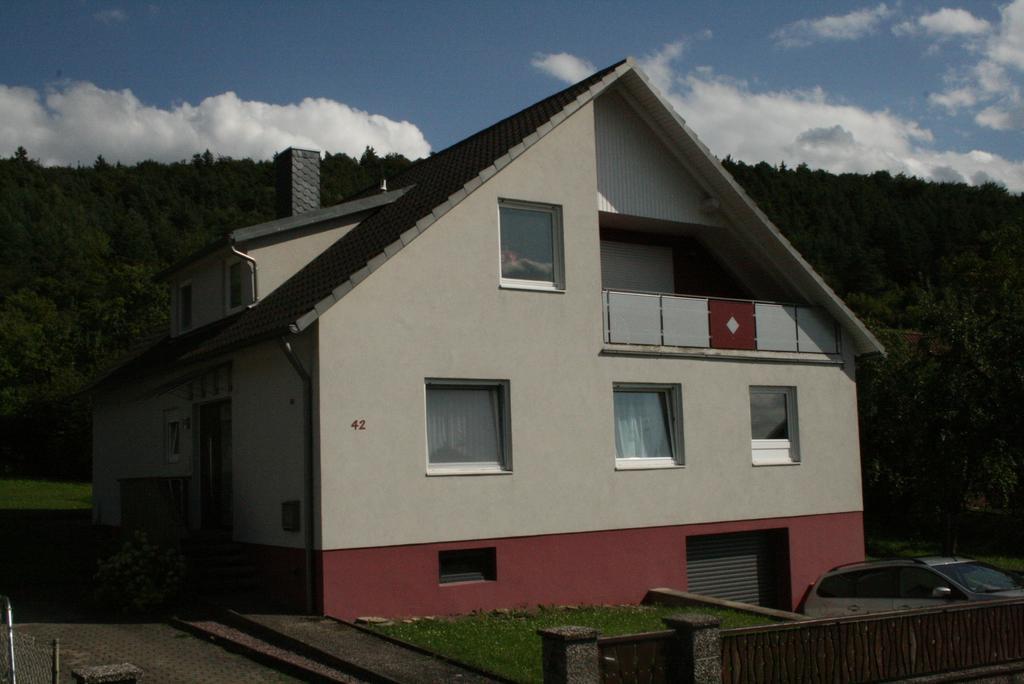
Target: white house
[562, 361]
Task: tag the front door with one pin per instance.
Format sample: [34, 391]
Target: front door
[215, 464]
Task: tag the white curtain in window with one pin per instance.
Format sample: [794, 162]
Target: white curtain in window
[642, 425]
[464, 424]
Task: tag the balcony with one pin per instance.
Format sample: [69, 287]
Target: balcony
[716, 323]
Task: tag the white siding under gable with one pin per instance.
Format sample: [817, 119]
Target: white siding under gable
[637, 174]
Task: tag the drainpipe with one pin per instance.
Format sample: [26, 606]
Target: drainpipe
[307, 470]
[252, 270]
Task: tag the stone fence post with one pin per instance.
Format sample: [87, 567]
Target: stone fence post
[569, 655]
[700, 647]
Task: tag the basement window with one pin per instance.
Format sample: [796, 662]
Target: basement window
[467, 565]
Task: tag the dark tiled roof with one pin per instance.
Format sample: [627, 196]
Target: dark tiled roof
[434, 179]
[158, 351]
[430, 181]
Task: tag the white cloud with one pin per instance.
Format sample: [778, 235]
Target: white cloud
[658, 66]
[807, 126]
[79, 121]
[110, 16]
[991, 87]
[563, 66]
[953, 22]
[1007, 45]
[1001, 118]
[954, 99]
[851, 26]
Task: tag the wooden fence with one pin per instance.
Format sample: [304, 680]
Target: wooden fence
[951, 641]
[644, 657]
[877, 647]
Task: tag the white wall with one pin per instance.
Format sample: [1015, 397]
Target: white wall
[279, 257]
[436, 310]
[208, 299]
[637, 174]
[127, 441]
[267, 427]
[267, 440]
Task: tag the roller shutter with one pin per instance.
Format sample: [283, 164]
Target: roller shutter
[636, 267]
[740, 567]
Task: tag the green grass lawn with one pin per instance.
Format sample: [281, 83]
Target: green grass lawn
[507, 643]
[44, 495]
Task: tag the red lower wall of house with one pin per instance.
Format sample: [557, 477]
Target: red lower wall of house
[613, 566]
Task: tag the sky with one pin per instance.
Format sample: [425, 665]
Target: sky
[928, 89]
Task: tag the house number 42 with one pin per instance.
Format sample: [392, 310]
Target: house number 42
[359, 424]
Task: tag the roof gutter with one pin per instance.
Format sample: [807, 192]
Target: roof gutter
[252, 269]
[307, 470]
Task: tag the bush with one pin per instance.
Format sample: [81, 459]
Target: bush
[140, 577]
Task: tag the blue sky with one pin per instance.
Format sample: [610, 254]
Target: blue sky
[926, 88]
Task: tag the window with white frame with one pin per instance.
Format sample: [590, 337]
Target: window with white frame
[233, 286]
[185, 306]
[172, 436]
[467, 426]
[531, 245]
[773, 426]
[648, 425]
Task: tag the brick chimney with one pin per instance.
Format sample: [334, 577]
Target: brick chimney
[298, 181]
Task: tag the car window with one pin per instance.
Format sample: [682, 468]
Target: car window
[979, 577]
[880, 583]
[838, 586]
[920, 582]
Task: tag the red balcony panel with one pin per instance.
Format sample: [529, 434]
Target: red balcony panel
[732, 324]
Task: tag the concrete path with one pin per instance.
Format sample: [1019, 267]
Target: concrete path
[393, 662]
[165, 654]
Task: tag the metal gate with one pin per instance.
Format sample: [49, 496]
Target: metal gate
[742, 566]
[22, 660]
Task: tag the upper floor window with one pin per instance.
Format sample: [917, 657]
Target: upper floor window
[467, 426]
[172, 436]
[773, 431]
[647, 426]
[185, 306]
[531, 245]
[234, 285]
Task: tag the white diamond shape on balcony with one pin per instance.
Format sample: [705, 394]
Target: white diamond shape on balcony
[732, 325]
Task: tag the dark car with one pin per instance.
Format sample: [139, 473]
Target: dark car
[899, 584]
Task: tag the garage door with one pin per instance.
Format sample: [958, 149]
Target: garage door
[741, 567]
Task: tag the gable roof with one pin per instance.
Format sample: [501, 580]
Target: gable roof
[437, 184]
[429, 188]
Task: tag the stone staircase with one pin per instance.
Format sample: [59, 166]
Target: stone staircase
[217, 565]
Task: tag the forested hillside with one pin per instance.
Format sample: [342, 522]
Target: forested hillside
[937, 270]
[78, 249]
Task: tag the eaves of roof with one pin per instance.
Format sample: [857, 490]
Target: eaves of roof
[288, 223]
[440, 182]
[429, 188]
[786, 262]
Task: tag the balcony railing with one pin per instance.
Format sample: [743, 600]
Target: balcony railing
[711, 323]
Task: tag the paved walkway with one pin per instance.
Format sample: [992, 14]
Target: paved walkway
[165, 654]
[368, 651]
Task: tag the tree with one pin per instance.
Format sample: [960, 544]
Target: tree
[940, 415]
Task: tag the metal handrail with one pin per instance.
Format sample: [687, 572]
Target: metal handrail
[661, 297]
